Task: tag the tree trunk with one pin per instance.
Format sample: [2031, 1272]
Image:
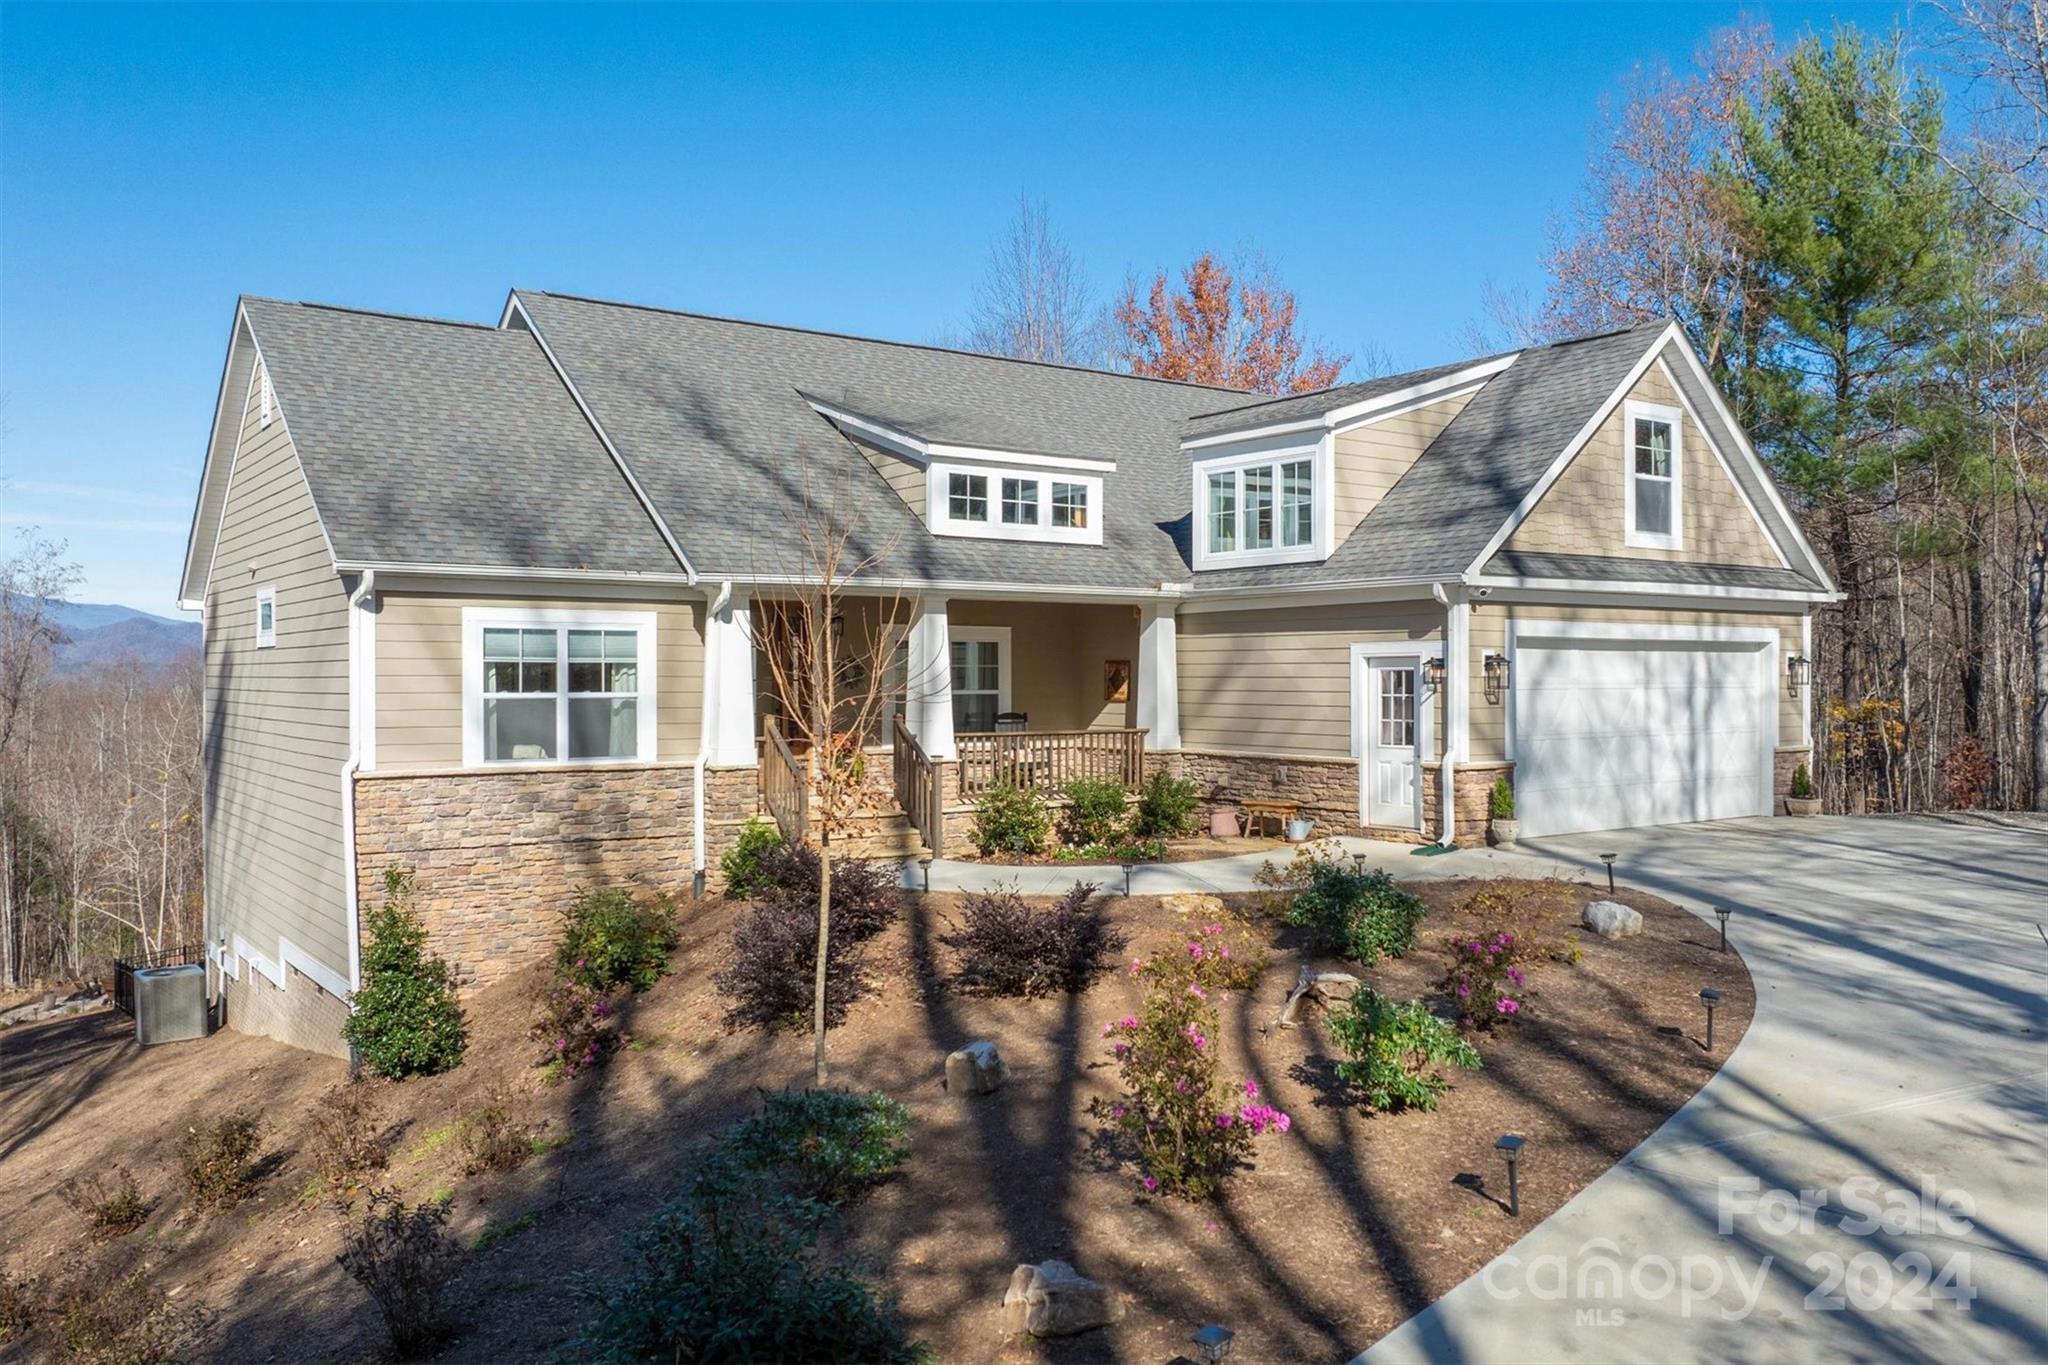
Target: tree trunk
[824, 943]
[2037, 637]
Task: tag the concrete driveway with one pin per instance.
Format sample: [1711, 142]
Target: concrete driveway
[1867, 1176]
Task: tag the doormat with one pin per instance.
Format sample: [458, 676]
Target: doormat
[1431, 850]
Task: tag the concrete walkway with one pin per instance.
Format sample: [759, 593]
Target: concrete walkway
[1900, 1045]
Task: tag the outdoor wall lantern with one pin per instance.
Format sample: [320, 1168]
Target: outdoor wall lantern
[1721, 913]
[1496, 669]
[1712, 997]
[1510, 1147]
[1433, 674]
[1797, 669]
[1213, 1342]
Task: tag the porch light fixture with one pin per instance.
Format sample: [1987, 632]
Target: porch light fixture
[1797, 670]
[1129, 868]
[1609, 858]
[925, 865]
[1496, 670]
[1712, 997]
[1510, 1146]
[1213, 1342]
[1721, 913]
[1433, 673]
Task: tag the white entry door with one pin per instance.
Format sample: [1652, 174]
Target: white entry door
[1616, 733]
[1392, 714]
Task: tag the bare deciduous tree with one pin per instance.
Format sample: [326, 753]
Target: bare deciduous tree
[1034, 302]
[33, 583]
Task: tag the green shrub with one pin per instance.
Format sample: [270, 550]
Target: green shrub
[770, 969]
[110, 1202]
[1007, 946]
[1360, 917]
[1397, 1052]
[1802, 784]
[1486, 979]
[405, 1257]
[575, 1027]
[742, 862]
[827, 1145]
[1095, 812]
[217, 1162]
[866, 895]
[1010, 819]
[611, 939]
[1501, 799]
[406, 1020]
[732, 1272]
[1166, 808]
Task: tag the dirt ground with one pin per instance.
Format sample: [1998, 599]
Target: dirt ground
[1347, 1225]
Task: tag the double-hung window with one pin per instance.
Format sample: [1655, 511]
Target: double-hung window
[1014, 504]
[1263, 508]
[555, 687]
[1654, 476]
[1020, 501]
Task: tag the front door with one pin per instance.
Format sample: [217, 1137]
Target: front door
[1392, 725]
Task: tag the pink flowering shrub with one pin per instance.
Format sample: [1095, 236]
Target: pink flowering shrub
[1486, 980]
[1190, 1129]
[576, 1028]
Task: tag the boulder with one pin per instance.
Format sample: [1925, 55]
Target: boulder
[1332, 988]
[1053, 1300]
[1609, 919]
[1193, 903]
[977, 1069]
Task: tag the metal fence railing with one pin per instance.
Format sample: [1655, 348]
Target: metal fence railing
[126, 967]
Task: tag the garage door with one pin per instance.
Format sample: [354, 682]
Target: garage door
[1610, 734]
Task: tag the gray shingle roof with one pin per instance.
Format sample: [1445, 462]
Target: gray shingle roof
[711, 415]
[447, 443]
[1271, 411]
[1439, 515]
[1615, 569]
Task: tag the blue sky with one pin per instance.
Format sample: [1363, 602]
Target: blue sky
[842, 168]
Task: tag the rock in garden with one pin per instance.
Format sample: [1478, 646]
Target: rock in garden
[977, 1069]
[1611, 920]
[1190, 903]
[1053, 1300]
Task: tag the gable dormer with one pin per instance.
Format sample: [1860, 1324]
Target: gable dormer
[961, 482]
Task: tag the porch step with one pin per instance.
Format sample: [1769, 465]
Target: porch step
[882, 834]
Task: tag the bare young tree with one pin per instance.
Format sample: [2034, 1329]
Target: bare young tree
[2000, 48]
[34, 581]
[1034, 302]
[836, 687]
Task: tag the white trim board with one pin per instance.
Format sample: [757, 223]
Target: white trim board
[920, 451]
[1376, 408]
[1632, 536]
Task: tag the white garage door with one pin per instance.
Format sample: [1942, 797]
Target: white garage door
[1610, 734]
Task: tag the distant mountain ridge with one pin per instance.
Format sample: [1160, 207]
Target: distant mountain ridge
[100, 635]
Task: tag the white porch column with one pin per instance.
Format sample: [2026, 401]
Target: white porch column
[928, 709]
[729, 723]
[1457, 706]
[1159, 676]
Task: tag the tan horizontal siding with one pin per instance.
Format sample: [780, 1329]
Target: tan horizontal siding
[419, 673]
[276, 719]
[1583, 513]
[903, 476]
[1371, 459]
[1058, 654]
[1279, 681]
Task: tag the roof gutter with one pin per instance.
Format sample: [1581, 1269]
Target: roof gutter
[1454, 678]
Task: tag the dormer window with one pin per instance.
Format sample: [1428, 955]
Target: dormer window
[1655, 464]
[1014, 504]
[1259, 509]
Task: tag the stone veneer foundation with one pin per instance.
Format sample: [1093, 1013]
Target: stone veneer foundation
[1783, 762]
[301, 1014]
[497, 855]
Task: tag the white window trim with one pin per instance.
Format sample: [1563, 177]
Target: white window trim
[1321, 455]
[561, 619]
[266, 596]
[997, 635]
[1632, 411]
[939, 506]
[1363, 656]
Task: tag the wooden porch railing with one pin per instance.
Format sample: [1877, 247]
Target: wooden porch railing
[917, 786]
[1049, 759]
[785, 785]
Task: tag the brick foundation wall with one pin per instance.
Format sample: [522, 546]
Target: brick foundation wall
[497, 855]
[304, 1015]
[1783, 762]
[732, 796]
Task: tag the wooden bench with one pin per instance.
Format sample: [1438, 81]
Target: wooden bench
[1256, 813]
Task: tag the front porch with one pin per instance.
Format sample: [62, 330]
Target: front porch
[983, 692]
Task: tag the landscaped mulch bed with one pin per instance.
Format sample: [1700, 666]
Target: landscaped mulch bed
[1194, 849]
[1347, 1225]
